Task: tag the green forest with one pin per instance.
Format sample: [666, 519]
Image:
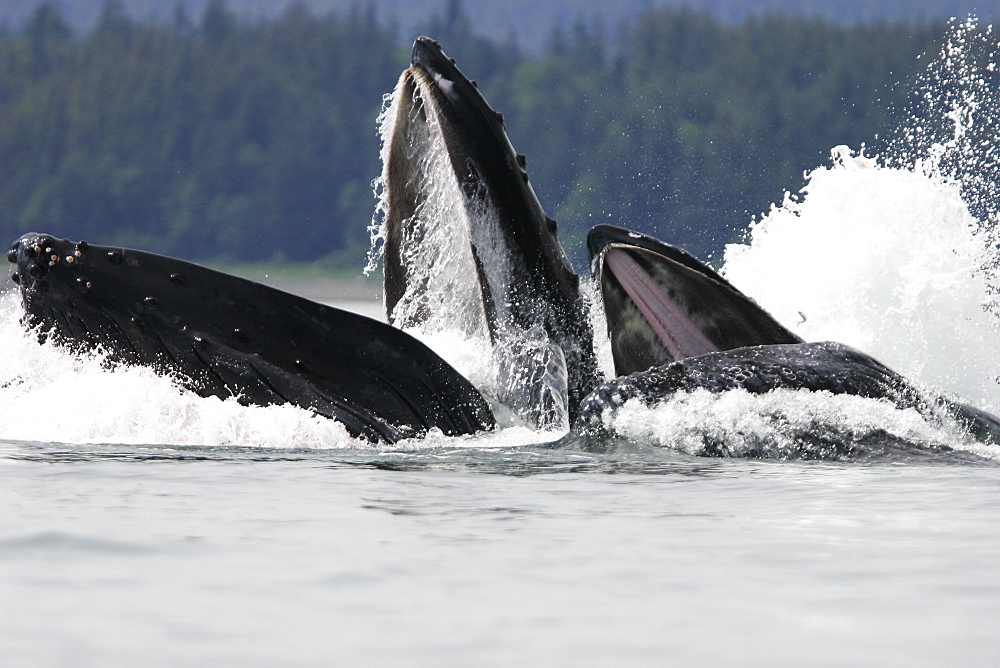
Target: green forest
[210, 138]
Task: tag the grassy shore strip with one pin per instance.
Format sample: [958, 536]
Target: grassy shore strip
[314, 280]
[309, 281]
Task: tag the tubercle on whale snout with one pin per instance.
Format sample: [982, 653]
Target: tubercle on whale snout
[37, 255]
[60, 281]
[45, 263]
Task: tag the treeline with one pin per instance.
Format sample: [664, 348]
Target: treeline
[211, 138]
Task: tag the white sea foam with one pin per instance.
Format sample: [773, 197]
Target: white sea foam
[51, 395]
[884, 259]
[738, 423]
[884, 253]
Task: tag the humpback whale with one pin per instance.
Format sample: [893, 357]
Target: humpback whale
[529, 296]
[224, 336]
[675, 324]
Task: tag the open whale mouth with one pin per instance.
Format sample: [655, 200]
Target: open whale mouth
[450, 170]
[428, 252]
[437, 200]
[662, 304]
[633, 271]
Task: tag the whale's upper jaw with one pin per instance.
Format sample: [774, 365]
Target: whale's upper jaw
[467, 108]
[662, 304]
[472, 129]
[468, 105]
[601, 237]
[220, 335]
[436, 99]
[486, 163]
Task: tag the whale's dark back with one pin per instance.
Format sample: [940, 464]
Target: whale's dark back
[228, 337]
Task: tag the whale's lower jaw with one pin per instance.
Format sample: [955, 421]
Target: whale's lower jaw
[223, 336]
[819, 367]
[826, 366]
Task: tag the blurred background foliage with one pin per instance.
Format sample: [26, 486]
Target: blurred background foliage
[210, 137]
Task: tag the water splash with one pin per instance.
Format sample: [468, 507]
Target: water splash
[51, 395]
[787, 424]
[436, 238]
[951, 133]
[898, 254]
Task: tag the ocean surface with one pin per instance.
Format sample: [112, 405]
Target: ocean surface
[166, 555]
[143, 525]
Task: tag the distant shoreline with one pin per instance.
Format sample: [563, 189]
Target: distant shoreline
[324, 290]
[330, 289]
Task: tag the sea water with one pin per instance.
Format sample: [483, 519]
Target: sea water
[126, 555]
[140, 524]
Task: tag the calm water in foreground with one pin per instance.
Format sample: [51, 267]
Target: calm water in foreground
[125, 555]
